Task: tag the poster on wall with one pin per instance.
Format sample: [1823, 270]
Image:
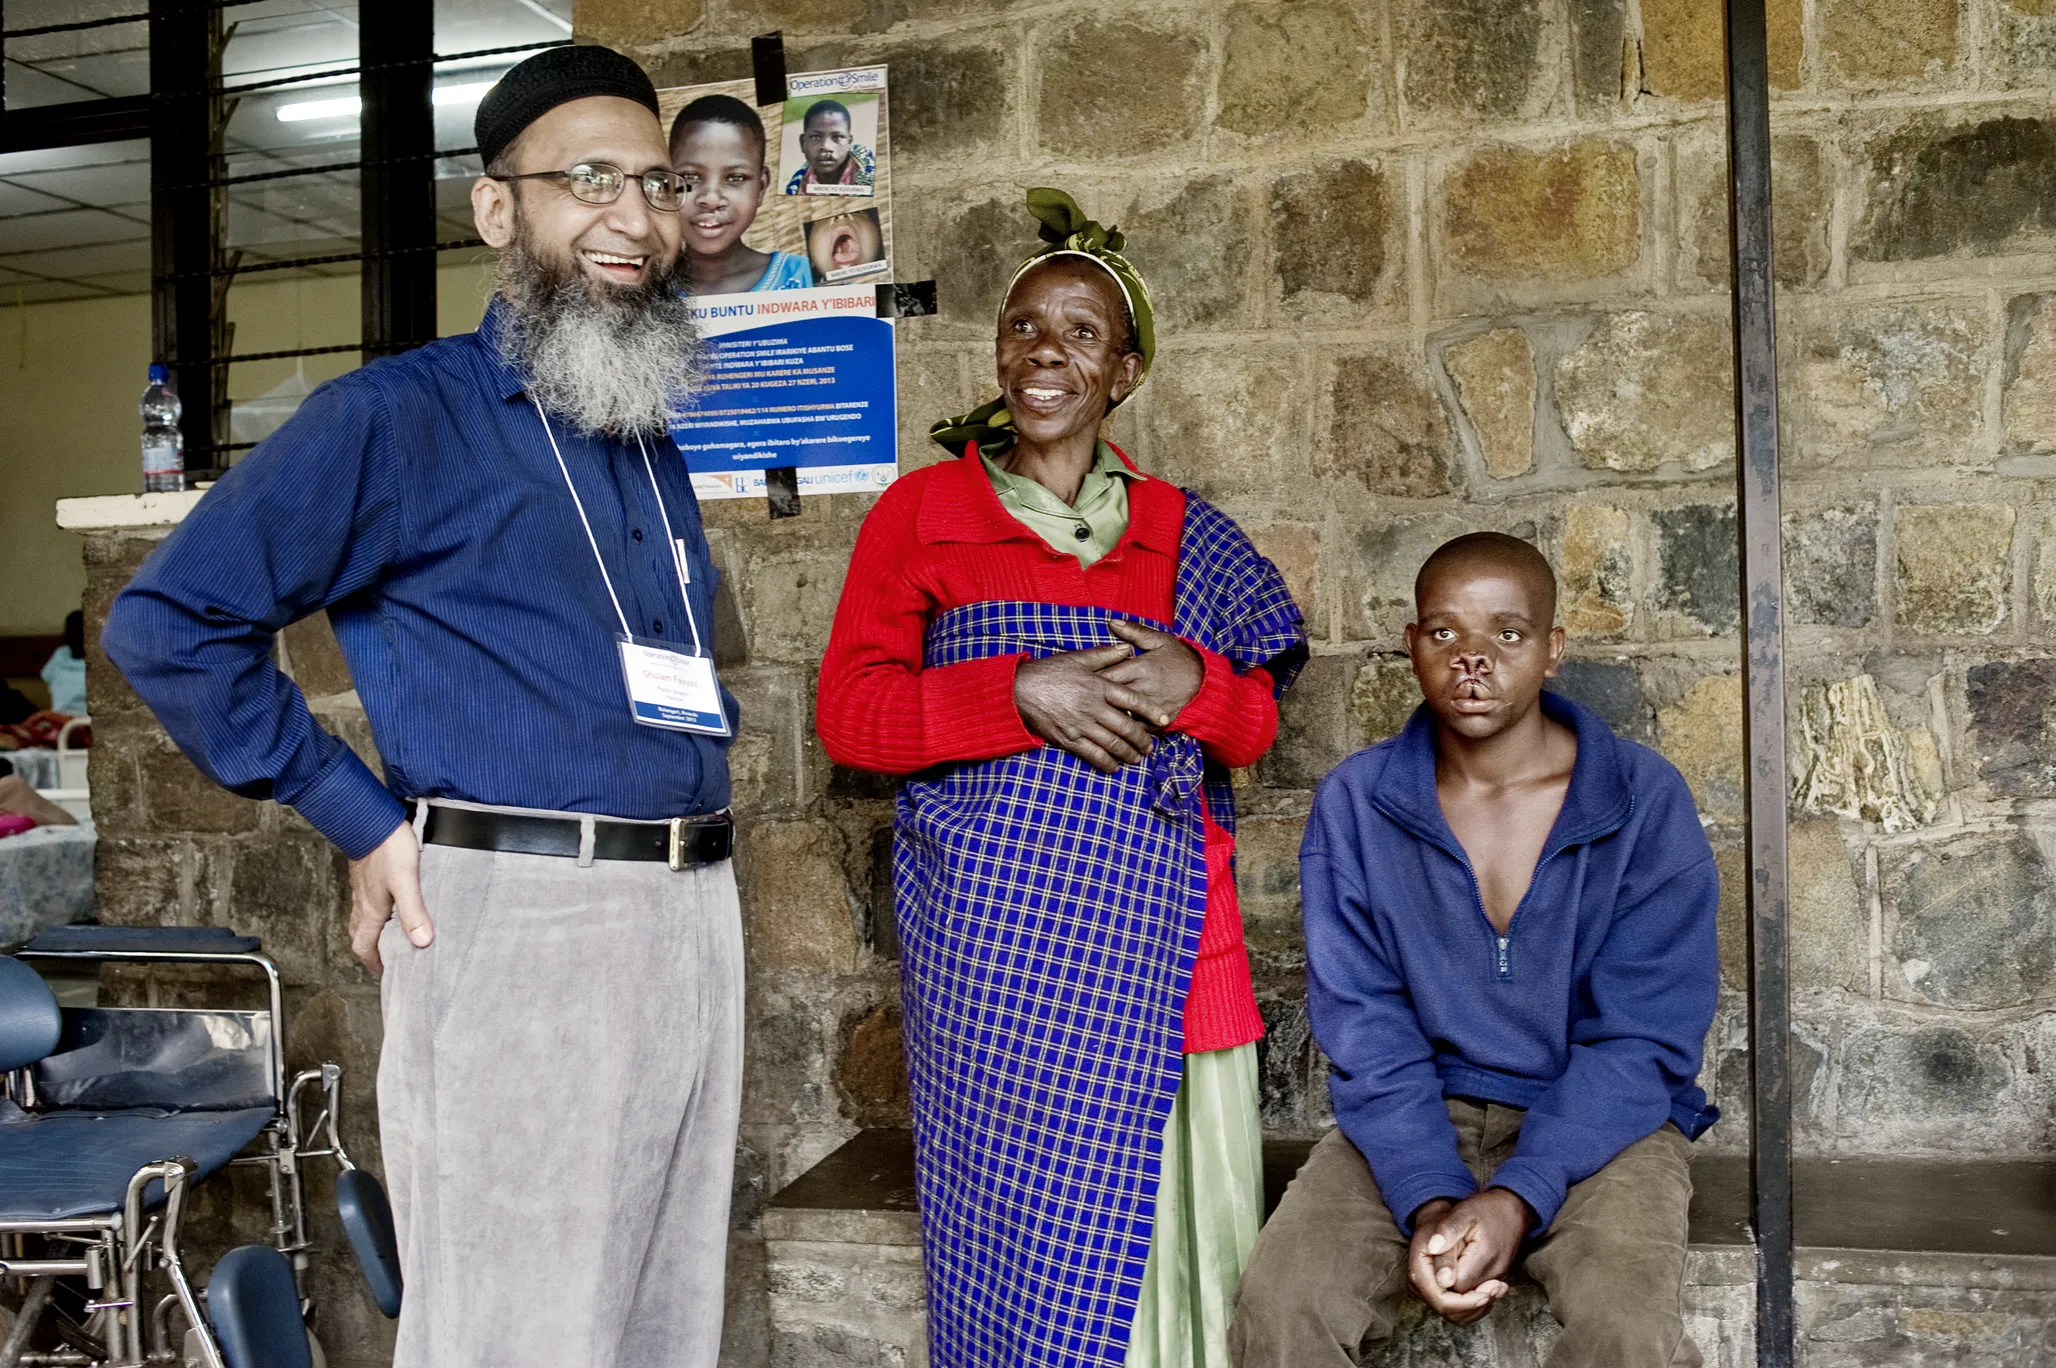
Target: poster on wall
[788, 231]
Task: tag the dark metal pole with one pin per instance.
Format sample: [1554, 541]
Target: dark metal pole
[181, 214]
[1763, 677]
[396, 48]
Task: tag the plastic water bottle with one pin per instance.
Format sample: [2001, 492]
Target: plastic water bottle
[164, 446]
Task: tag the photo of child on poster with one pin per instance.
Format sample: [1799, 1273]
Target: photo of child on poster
[742, 234]
[845, 246]
[833, 140]
[800, 366]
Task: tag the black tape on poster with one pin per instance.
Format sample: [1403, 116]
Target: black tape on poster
[908, 299]
[767, 56]
[782, 491]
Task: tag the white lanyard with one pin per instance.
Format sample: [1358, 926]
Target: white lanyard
[677, 552]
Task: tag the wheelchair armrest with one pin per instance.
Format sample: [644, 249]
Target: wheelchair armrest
[368, 1221]
[29, 1017]
[140, 940]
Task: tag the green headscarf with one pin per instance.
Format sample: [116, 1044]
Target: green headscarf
[1065, 232]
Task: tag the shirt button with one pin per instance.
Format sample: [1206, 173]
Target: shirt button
[1082, 532]
[657, 625]
[637, 533]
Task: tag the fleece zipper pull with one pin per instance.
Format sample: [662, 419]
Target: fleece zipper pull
[1505, 961]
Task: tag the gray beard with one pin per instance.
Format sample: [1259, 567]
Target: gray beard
[620, 362]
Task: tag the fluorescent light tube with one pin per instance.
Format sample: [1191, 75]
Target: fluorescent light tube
[349, 107]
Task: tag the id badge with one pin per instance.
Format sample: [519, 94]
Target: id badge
[669, 688]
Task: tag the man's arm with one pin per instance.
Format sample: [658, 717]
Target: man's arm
[307, 519]
[1386, 1092]
[1654, 983]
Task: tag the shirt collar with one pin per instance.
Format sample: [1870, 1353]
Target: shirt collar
[961, 506]
[507, 380]
[1597, 802]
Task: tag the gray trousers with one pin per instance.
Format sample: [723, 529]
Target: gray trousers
[1326, 1277]
[558, 1099]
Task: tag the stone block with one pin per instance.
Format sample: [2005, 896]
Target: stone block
[764, 759]
[1244, 405]
[1869, 43]
[821, 1346]
[789, 588]
[2030, 397]
[287, 891]
[1296, 68]
[969, 247]
[1684, 52]
[1285, 1063]
[140, 880]
[931, 384]
[1830, 919]
[1831, 566]
[1197, 249]
[872, 1074]
[177, 797]
[1802, 210]
[787, 1066]
[313, 658]
[1113, 88]
[637, 23]
[1936, 1087]
[1850, 761]
[1954, 567]
[2019, 42]
[1599, 53]
[1573, 213]
[1958, 191]
[1897, 383]
[1314, 734]
[1649, 389]
[1295, 548]
[1385, 696]
[1386, 426]
[1267, 883]
[1494, 375]
[2012, 726]
[950, 102]
[796, 899]
[1375, 576]
[1696, 548]
[1471, 59]
[1334, 232]
[1731, 914]
[1614, 691]
[1972, 922]
[1702, 735]
[1595, 571]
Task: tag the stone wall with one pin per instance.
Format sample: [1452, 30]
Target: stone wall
[1423, 266]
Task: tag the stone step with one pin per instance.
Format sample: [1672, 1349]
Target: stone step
[1902, 1262]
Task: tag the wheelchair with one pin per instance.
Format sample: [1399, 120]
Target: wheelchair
[109, 1119]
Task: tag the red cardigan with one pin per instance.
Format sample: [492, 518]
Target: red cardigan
[938, 539]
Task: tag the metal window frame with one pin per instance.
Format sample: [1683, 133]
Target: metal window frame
[183, 116]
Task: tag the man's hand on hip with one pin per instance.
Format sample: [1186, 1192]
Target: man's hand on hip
[384, 884]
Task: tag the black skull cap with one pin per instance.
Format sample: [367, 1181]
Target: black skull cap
[552, 77]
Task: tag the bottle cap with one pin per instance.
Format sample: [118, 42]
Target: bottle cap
[159, 373]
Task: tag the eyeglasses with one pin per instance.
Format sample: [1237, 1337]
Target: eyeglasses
[599, 183]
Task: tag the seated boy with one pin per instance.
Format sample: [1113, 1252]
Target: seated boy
[834, 156]
[717, 144]
[1511, 966]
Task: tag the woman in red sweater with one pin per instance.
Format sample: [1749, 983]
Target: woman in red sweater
[1067, 656]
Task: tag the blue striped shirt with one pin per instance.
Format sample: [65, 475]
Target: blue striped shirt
[418, 501]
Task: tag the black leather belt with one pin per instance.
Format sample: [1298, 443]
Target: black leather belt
[680, 842]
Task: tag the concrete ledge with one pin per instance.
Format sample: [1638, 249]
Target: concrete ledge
[105, 512]
[1976, 1284]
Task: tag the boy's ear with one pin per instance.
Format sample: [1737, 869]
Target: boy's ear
[1558, 642]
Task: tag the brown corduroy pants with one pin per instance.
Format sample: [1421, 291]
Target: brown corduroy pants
[1328, 1273]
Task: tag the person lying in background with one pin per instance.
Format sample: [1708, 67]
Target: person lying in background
[717, 146]
[65, 671]
[21, 807]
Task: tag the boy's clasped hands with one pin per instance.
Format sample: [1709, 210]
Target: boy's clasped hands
[1461, 1251]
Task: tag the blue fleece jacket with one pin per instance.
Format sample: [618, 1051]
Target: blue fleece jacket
[1590, 1012]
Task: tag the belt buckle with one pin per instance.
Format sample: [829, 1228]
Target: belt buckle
[676, 853]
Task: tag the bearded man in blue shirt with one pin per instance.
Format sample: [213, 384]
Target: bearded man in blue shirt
[1511, 966]
[506, 541]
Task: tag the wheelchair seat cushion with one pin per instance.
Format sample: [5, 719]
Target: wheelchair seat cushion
[59, 1164]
